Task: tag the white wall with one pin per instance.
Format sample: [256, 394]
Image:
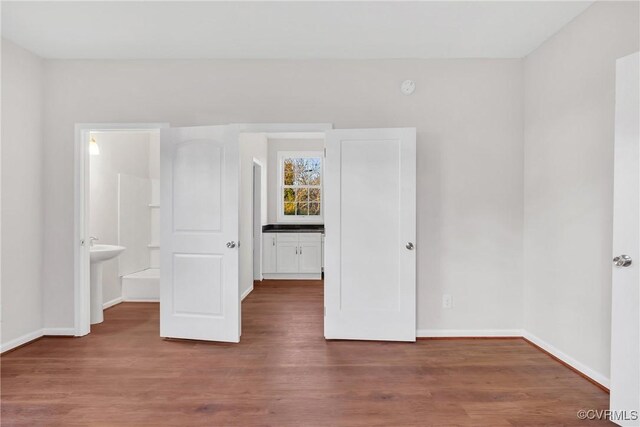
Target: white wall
[274, 146]
[252, 145]
[22, 197]
[127, 153]
[469, 119]
[154, 155]
[568, 177]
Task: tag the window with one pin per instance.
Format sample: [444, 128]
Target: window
[300, 179]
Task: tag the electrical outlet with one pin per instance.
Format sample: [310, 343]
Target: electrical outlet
[447, 301]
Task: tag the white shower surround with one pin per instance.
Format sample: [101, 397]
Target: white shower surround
[139, 224]
[134, 223]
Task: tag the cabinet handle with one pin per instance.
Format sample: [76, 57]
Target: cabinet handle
[296, 250]
[300, 250]
[274, 241]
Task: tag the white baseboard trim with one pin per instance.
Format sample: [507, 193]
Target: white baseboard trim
[141, 300]
[595, 376]
[246, 293]
[59, 331]
[467, 333]
[17, 342]
[292, 276]
[31, 336]
[111, 303]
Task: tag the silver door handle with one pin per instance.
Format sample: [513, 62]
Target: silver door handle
[231, 244]
[409, 246]
[622, 261]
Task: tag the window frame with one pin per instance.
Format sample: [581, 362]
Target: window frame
[319, 219]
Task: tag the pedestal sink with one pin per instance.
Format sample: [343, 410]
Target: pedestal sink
[98, 255]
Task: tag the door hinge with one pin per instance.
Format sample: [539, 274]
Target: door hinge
[325, 310]
[325, 152]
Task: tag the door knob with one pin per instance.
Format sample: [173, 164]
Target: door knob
[622, 261]
[409, 246]
[231, 244]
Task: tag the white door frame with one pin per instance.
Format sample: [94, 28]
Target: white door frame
[256, 240]
[273, 128]
[81, 294]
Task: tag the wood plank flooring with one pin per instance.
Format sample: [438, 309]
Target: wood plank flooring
[283, 373]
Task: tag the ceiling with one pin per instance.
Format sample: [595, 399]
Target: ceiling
[297, 30]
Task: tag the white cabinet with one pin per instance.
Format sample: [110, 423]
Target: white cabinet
[269, 253]
[310, 253]
[287, 257]
[292, 255]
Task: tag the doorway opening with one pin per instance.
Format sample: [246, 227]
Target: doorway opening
[368, 183]
[284, 216]
[117, 218]
[281, 203]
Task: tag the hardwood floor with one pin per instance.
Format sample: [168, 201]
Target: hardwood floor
[283, 373]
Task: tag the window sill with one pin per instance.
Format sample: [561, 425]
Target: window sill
[300, 220]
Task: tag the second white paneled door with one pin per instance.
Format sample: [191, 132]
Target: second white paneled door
[370, 222]
[199, 297]
[625, 314]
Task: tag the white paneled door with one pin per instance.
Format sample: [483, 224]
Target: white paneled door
[370, 223]
[625, 312]
[199, 233]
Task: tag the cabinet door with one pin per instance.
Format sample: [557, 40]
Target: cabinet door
[310, 254]
[269, 251]
[287, 257]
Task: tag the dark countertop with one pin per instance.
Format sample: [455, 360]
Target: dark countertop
[293, 228]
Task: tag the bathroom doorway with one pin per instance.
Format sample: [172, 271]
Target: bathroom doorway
[117, 218]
